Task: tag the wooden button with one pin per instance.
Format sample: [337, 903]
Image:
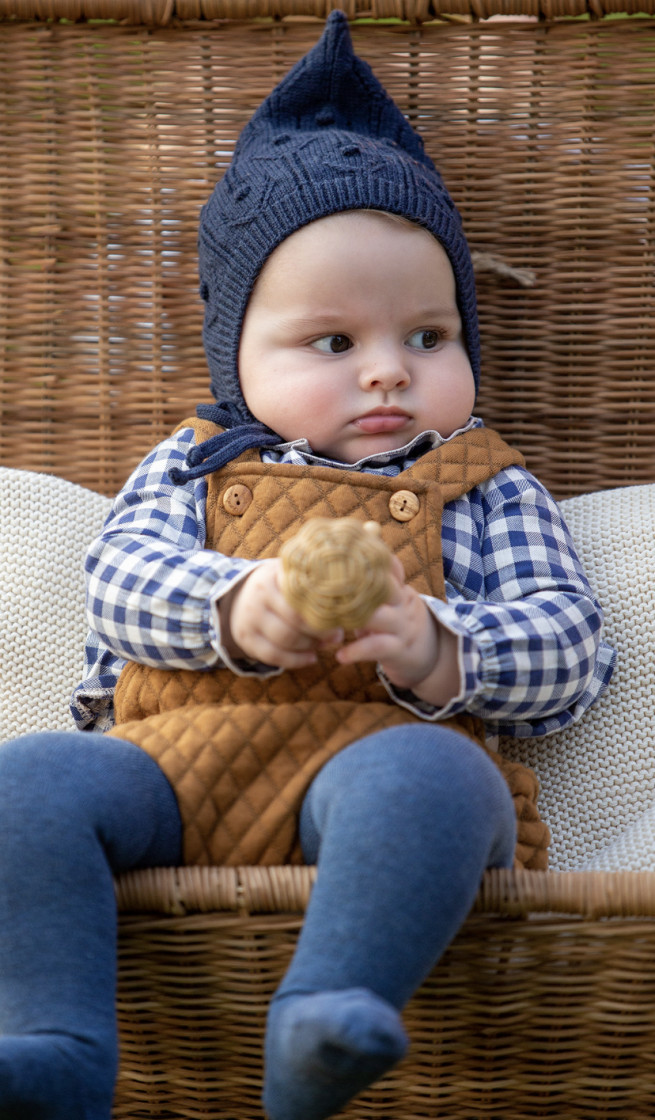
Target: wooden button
[403, 505]
[237, 499]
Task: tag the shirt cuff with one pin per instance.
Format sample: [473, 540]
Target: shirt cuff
[92, 708]
[468, 660]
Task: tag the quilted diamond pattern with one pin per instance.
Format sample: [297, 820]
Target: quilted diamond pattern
[240, 752]
[244, 768]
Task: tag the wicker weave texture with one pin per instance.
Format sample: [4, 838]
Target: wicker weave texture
[112, 137]
[164, 13]
[336, 572]
[525, 1017]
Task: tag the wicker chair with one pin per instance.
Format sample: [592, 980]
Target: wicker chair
[116, 116]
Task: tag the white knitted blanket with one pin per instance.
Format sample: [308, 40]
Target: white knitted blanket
[46, 525]
[597, 778]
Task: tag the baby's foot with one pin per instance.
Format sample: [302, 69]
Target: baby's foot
[323, 1048]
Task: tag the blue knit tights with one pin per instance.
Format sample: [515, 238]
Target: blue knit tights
[402, 825]
[73, 807]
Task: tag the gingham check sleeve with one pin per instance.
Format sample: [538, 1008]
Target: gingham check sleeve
[528, 626]
[532, 658]
[151, 583]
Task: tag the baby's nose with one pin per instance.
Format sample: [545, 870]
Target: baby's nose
[386, 369]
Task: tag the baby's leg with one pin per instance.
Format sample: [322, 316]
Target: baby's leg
[402, 825]
[74, 807]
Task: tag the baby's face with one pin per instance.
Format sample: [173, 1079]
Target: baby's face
[352, 338]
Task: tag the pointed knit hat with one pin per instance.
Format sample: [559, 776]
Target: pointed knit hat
[327, 139]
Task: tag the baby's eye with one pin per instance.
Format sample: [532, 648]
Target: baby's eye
[333, 344]
[424, 340]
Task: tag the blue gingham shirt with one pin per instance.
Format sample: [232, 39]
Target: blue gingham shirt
[530, 651]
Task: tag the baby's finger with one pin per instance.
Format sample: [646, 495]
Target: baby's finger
[387, 619]
[371, 646]
[329, 639]
[397, 588]
[283, 634]
[270, 654]
[397, 569]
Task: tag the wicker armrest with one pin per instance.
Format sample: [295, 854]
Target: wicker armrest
[539, 1008]
[244, 891]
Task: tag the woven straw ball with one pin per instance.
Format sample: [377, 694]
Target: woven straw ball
[336, 572]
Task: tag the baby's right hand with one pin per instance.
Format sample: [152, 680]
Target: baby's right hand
[265, 628]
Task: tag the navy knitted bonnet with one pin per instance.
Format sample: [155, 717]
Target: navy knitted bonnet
[327, 139]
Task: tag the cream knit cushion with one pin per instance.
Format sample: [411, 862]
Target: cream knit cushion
[46, 525]
[598, 777]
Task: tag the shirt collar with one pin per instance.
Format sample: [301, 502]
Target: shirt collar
[300, 450]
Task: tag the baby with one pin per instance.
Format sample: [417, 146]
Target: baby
[342, 340]
[362, 355]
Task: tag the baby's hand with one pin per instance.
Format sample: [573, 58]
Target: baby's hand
[265, 628]
[413, 650]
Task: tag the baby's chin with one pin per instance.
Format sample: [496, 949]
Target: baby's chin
[365, 448]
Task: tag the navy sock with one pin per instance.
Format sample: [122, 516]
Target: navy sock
[42, 1078]
[323, 1048]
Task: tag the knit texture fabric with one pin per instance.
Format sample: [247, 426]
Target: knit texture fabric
[598, 777]
[327, 139]
[46, 525]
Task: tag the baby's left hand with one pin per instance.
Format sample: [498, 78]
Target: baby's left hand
[405, 638]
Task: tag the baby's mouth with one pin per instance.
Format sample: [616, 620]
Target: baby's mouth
[381, 420]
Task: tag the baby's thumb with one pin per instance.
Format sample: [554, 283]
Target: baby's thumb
[397, 570]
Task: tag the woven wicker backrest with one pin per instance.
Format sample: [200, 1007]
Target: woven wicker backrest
[112, 136]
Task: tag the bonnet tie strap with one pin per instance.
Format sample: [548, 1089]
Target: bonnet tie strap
[218, 450]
